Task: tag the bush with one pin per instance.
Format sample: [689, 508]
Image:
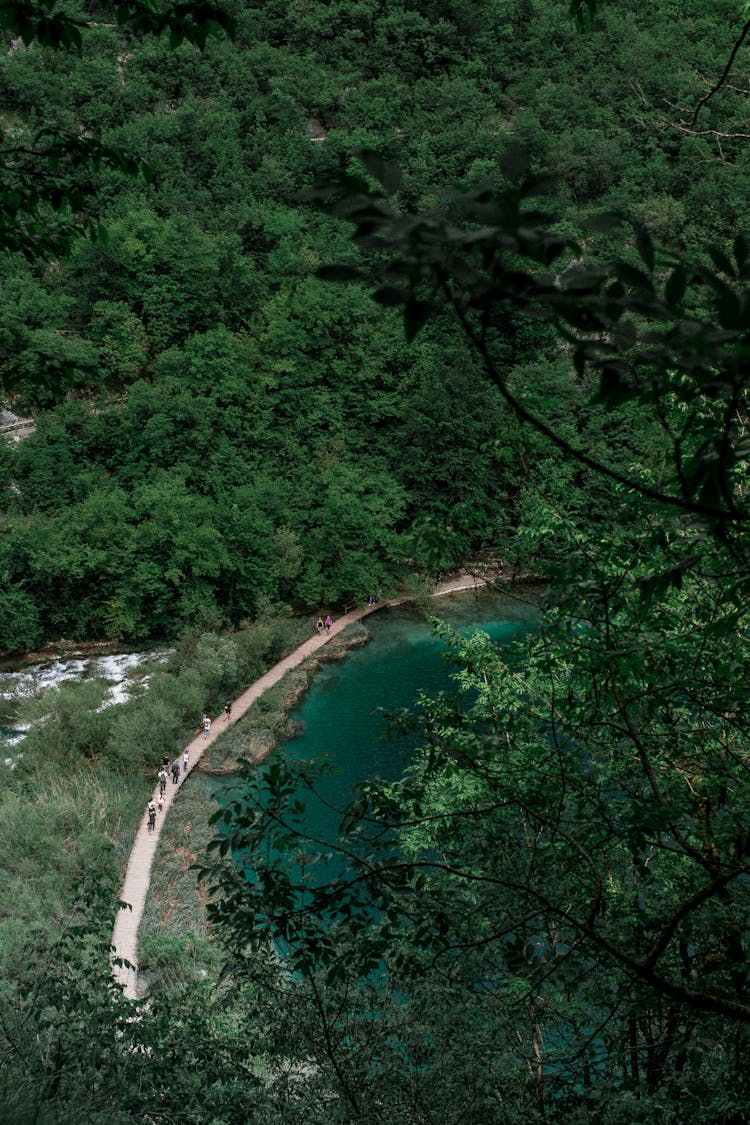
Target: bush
[217, 664]
[66, 723]
[21, 629]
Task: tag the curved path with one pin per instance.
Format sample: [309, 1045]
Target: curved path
[138, 870]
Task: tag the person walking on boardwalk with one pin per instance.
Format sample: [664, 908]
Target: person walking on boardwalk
[329, 623]
[160, 802]
[185, 761]
[206, 726]
[162, 779]
[151, 816]
[319, 626]
[175, 771]
[227, 710]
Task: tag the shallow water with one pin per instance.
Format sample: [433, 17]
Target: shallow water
[38, 677]
[115, 669]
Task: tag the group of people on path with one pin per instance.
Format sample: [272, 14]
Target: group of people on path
[165, 769]
[321, 624]
[167, 766]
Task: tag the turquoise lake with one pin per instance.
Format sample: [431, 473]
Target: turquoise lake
[340, 713]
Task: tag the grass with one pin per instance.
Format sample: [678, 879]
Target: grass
[70, 809]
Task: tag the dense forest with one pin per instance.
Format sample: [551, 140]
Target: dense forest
[546, 919]
[217, 427]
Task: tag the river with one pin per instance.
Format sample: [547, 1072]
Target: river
[116, 670]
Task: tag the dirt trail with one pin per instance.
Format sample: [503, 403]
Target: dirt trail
[138, 870]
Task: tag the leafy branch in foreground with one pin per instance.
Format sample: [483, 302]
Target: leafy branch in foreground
[43, 195]
[45, 23]
[569, 848]
[587, 752]
[654, 329]
[43, 200]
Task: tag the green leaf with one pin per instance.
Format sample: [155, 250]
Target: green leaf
[416, 314]
[582, 13]
[391, 296]
[730, 310]
[645, 247]
[603, 223]
[387, 175]
[515, 161]
[339, 273]
[721, 261]
[625, 335]
[724, 626]
[634, 277]
[674, 290]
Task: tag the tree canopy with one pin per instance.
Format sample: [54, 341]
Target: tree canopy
[215, 252]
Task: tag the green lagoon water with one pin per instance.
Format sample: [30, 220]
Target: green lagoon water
[341, 713]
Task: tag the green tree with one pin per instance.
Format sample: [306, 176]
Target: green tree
[567, 849]
[349, 541]
[22, 630]
[122, 341]
[44, 187]
[68, 1037]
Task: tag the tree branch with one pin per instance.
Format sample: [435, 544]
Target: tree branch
[715, 89]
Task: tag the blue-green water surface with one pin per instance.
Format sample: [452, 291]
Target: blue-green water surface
[341, 714]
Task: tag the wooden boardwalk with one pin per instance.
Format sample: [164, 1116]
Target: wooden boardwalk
[138, 870]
